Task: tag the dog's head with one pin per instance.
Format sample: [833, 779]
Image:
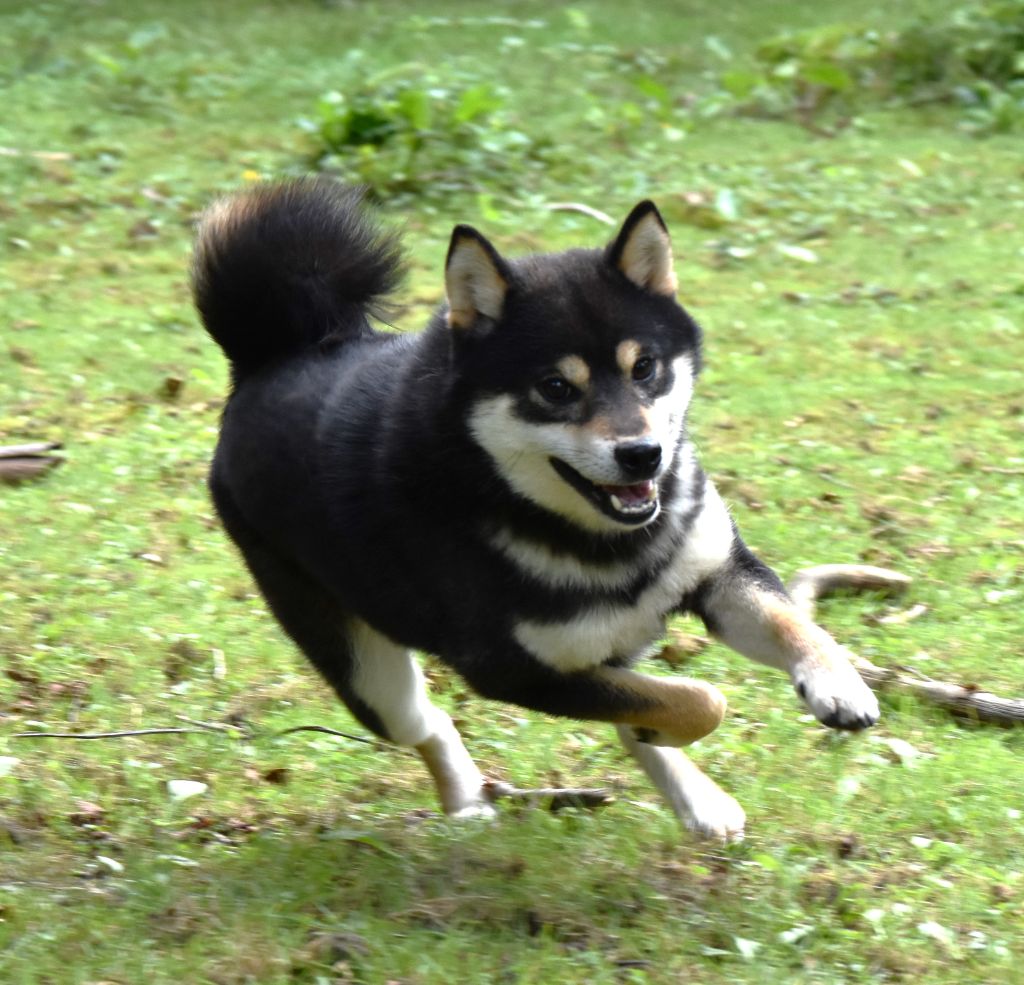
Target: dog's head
[578, 368]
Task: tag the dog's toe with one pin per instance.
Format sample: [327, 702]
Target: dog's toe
[838, 698]
[718, 818]
[480, 811]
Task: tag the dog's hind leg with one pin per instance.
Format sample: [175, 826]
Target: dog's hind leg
[386, 679]
[700, 803]
[378, 680]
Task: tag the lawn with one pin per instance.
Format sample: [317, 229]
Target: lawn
[857, 269]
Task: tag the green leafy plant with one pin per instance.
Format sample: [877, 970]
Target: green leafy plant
[406, 132]
[972, 57]
[124, 65]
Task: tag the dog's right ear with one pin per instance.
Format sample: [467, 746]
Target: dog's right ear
[475, 278]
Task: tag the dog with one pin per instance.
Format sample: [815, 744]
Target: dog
[513, 490]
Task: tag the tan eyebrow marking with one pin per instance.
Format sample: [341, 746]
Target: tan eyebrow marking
[627, 354]
[601, 426]
[575, 370]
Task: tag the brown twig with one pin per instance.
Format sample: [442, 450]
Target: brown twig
[110, 735]
[964, 700]
[557, 798]
[201, 728]
[326, 731]
[21, 462]
[40, 155]
[587, 210]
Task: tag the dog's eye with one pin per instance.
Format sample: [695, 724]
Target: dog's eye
[557, 390]
[644, 369]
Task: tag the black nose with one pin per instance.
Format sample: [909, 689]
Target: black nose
[638, 459]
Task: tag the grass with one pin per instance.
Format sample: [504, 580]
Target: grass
[862, 299]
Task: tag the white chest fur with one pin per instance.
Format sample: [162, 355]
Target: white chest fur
[607, 630]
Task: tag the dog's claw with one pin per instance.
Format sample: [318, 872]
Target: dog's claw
[843, 724]
[839, 698]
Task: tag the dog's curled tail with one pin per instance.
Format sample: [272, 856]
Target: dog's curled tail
[288, 266]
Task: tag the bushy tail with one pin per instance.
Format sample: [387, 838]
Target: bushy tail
[283, 267]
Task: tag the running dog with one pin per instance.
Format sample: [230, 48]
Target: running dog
[513, 489]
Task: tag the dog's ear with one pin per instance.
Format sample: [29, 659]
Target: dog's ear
[475, 279]
[643, 251]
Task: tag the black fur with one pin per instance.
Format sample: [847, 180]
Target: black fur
[288, 267]
[470, 492]
[345, 471]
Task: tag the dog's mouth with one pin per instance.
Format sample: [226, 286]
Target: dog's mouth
[631, 504]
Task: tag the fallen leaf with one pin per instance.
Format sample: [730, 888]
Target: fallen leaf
[936, 932]
[183, 789]
[795, 934]
[86, 813]
[801, 253]
[902, 751]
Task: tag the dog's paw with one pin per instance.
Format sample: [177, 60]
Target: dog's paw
[476, 811]
[708, 811]
[837, 696]
[714, 815]
[472, 800]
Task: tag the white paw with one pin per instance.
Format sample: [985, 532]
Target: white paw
[472, 800]
[716, 815]
[838, 696]
[480, 810]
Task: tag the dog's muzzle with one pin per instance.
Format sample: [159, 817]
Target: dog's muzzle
[632, 503]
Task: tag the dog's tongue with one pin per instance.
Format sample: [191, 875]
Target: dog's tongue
[640, 492]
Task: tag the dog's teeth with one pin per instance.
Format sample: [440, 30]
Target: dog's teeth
[616, 502]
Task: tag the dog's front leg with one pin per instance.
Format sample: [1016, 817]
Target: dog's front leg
[700, 803]
[745, 605]
[652, 715]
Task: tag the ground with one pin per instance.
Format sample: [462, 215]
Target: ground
[859, 284]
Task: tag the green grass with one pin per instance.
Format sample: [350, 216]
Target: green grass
[861, 401]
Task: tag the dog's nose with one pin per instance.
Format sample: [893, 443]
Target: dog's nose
[638, 459]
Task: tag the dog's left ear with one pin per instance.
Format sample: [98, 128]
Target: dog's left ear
[643, 251]
[475, 278]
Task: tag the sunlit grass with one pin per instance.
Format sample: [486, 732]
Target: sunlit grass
[862, 301]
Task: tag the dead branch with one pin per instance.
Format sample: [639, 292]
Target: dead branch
[110, 735]
[587, 210]
[19, 463]
[963, 700]
[554, 798]
[201, 728]
[39, 155]
[557, 798]
[811, 584]
[326, 731]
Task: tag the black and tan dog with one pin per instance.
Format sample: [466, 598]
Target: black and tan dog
[512, 490]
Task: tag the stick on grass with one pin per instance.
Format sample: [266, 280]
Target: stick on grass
[963, 700]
